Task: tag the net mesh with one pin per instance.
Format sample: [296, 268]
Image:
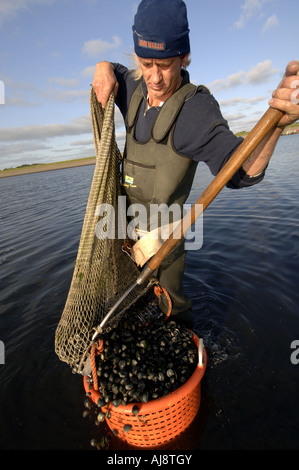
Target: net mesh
[103, 271]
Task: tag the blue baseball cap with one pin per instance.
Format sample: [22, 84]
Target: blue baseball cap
[161, 29]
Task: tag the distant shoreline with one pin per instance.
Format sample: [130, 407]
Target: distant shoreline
[41, 167]
[289, 130]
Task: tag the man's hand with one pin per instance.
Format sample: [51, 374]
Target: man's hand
[286, 96]
[286, 99]
[104, 82]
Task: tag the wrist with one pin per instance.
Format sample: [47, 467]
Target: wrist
[280, 128]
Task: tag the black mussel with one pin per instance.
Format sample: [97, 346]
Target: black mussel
[87, 403]
[151, 375]
[129, 386]
[101, 417]
[108, 398]
[93, 443]
[144, 397]
[161, 376]
[123, 373]
[116, 402]
[101, 402]
[127, 428]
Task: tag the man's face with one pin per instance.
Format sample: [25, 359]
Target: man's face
[162, 77]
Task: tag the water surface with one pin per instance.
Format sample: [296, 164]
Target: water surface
[243, 282]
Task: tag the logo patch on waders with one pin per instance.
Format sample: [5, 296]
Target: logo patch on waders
[129, 181]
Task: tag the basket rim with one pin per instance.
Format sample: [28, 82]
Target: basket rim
[158, 403]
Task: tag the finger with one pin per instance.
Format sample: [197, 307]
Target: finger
[292, 68]
[105, 96]
[96, 89]
[287, 94]
[290, 110]
[289, 82]
[115, 91]
[101, 94]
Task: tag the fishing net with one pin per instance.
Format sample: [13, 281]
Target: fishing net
[103, 270]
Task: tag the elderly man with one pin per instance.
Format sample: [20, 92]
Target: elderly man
[172, 125]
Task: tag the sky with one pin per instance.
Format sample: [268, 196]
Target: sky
[49, 48]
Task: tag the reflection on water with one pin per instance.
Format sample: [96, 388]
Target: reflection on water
[244, 286]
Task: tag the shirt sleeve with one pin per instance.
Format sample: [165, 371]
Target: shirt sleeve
[204, 135]
[127, 85]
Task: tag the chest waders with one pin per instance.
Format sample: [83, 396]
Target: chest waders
[155, 174]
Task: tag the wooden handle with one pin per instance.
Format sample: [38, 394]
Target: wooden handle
[267, 122]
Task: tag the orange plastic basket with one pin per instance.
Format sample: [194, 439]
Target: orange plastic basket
[161, 420]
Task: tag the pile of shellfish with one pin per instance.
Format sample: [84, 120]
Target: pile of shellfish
[142, 362]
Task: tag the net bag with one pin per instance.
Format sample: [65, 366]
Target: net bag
[103, 270]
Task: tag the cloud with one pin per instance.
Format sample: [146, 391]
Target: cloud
[89, 71]
[96, 47]
[10, 8]
[23, 94]
[63, 96]
[259, 73]
[18, 85]
[20, 148]
[64, 82]
[81, 143]
[250, 9]
[40, 132]
[21, 102]
[231, 81]
[238, 100]
[234, 117]
[271, 22]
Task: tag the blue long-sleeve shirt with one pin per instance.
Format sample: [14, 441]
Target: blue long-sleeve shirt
[201, 132]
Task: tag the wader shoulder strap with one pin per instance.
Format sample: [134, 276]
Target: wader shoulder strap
[134, 106]
[170, 110]
[167, 114]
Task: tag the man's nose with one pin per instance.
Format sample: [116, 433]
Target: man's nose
[156, 74]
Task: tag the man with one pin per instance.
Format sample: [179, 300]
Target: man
[172, 125]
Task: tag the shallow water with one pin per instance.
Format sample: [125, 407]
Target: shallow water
[243, 282]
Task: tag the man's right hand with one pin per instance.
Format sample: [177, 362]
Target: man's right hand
[104, 82]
